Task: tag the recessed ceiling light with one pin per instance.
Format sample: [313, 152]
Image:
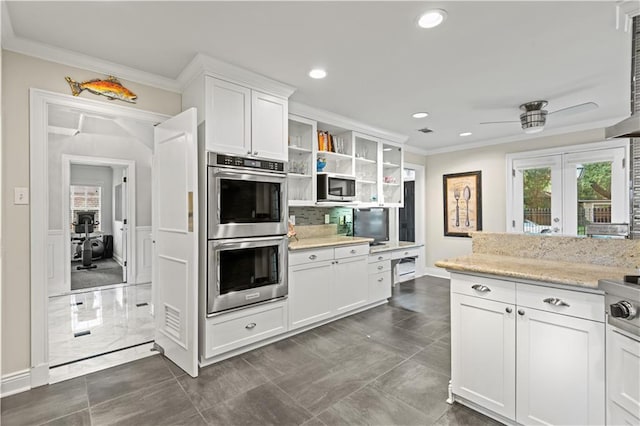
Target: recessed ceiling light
[420, 115]
[317, 73]
[432, 18]
[466, 134]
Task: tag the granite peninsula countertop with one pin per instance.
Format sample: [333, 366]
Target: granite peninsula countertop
[559, 272]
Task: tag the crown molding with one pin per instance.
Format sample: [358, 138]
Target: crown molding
[203, 64]
[415, 150]
[344, 122]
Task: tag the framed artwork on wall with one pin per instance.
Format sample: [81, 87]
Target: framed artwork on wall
[462, 203]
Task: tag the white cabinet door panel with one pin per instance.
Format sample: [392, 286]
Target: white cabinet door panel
[350, 286]
[310, 297]
[228, 122]
[623, 368]
[269, 128]
[560, 369]
[483, 352]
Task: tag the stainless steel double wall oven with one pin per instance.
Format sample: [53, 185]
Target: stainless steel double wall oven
[247, 231]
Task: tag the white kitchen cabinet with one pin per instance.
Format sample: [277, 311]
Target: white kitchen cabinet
[326, 282]
[228, 117]
[623, 364]
[350, 286]
[379, 276]
[301, 178]
[483, 346]
[241, 114]
[529, 353]
[560, 369]
[269, 128]
[309, 293]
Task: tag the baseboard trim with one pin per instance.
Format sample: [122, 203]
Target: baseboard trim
[437, 272]
[17, 382]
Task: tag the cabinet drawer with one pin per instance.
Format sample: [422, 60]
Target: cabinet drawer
[410, 252]
[569, 302]
[310, 256]
[377, 257]
[486, 288]
[240, 328]
[379, 286]
[384, 266]
[351, 251]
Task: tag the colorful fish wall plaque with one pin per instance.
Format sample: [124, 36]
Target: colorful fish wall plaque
[111, 88]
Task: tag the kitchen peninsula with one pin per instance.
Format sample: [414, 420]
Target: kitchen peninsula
[528, 325]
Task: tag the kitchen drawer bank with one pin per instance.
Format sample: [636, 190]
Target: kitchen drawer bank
[527, 353]
[325, 284]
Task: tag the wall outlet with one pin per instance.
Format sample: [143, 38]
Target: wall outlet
[20, 195]
[327, 218]
[292, 219]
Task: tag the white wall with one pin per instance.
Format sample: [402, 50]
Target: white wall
[491, 161]
[106, 147]
[19, 73]
[100, 176]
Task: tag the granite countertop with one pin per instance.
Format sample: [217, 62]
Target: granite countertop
[325, 241]
[390, 246]
[569, 273]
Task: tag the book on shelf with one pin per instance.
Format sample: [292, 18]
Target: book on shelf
[325, 141]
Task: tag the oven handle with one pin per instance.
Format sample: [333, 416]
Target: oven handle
[238, 242]
[276, 177]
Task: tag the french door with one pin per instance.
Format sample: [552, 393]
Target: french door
[562, 193]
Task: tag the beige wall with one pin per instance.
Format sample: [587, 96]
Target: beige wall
[19, 73]
[492, 162]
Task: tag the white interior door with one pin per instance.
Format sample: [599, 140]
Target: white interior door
[175, 232]
[125, 227]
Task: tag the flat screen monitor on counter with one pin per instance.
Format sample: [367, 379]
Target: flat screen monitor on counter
[371, 223]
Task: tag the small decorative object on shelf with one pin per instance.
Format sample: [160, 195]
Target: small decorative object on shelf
[321, 163]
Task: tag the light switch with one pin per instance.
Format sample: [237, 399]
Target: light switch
[326, 218]
[20, 195]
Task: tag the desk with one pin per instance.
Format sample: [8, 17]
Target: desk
[399, 251]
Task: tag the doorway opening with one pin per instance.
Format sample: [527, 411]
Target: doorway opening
[98, 291]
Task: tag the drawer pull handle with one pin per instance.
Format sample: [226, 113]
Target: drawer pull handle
[380, 267]
[380, 280]
[250, 326]
[353, 251]
[508, 310]
[406, 253]
[556, 302]
[380, 257]
[313, 257]
[481, 288]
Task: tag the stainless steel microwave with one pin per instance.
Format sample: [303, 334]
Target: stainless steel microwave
[332, 187]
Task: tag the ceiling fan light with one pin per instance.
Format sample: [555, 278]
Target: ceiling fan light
[533, 121]
[531, 130]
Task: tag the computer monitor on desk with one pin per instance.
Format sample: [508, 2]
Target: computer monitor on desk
[371, 223]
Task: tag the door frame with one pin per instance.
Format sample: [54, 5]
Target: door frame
[39, 103]
[130, 215]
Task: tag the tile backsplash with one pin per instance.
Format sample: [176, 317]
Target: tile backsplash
[340, 216]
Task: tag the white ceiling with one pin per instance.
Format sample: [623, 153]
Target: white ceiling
[480, 65]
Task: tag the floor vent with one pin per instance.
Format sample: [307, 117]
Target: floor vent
[82, 333]
[142, 304]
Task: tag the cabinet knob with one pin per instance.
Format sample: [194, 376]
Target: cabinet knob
[508, 310]
[353, 251]
[481, 288]
[380, 267]
[255, 152]
[313, 257]
[248, 152]
[380, 257]
[520, 311]
[250, 326]
[380, 279]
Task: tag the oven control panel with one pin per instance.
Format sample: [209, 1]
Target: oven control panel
[251, 163]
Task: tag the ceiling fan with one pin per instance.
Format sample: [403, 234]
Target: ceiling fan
[534, 117]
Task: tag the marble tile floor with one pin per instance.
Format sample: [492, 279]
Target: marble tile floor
[112, 316]
[386, 366]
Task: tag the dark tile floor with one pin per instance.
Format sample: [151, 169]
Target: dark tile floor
[385, 366]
